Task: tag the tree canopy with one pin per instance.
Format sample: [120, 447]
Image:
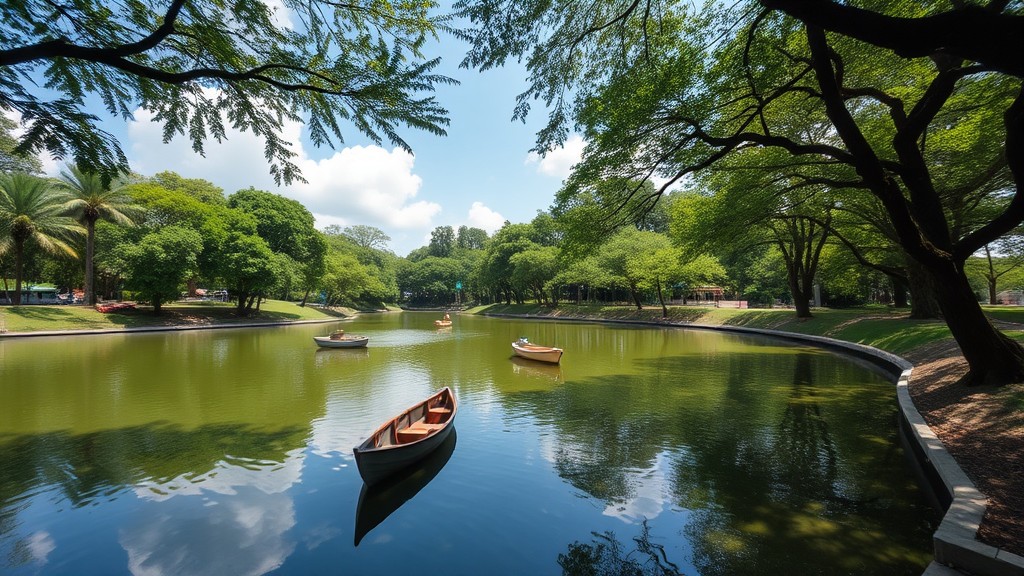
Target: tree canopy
[660, 89]
[202, 66]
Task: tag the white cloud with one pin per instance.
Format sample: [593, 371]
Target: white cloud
[357, 185]
[481, 216]
[281, 16]
[558, 162]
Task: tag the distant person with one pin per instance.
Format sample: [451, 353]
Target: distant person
[447, 317]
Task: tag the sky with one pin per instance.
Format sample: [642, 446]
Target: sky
[481, 174]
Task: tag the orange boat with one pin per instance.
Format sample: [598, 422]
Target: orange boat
[406, 438]
[534, 352]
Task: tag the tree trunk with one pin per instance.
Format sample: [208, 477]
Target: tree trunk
[156, 305]
[661, 300]
[242, 297]
[636, 297]
[19, 248]
[801, 298]
[899, 292]
[90, 247]
[305, 296]
[993, 357]
[923, 303]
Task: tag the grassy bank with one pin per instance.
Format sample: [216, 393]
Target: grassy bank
[877, 326]
[45, 318]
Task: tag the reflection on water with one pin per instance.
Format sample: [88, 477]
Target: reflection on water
[606, 555]
[229, 452]
[379, 501]
[534, 369]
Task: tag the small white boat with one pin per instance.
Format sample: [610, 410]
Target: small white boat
[534, 352]
[346, 341]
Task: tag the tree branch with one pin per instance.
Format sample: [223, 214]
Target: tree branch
[973, 33]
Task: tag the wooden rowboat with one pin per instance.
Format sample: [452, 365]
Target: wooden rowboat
[534, 352]
[346, 341]
[406, 438]
[379, 501]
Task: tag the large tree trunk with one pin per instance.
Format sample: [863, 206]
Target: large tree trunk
[899, 292]
[157, 305]
[90, 247]
[242, 297]
[801, 300]
[993, 357]
[923, 303]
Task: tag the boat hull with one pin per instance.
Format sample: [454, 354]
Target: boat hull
[442, 323]
[346, 342]
[379, 501]
[390, 449]
[538, 353]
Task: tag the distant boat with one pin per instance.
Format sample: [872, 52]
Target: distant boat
[535, 352]
[406, 438]
[379, 501]
[442, 323]
[341, 340]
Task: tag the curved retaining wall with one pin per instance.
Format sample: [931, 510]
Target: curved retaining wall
[956, 547]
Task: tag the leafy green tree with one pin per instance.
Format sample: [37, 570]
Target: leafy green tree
[202, 190]
[367, 236]
[817, 80]
[312, 270]
[32, 211]
[585, 273]
[11, 161]
[1001, 259]
[283, 222]
[469, 238]
[533, 268]
[347, 281]
[248, 267]
[159, 264]
[442, 242]
[625, 256]
[196, 63]
[496, 267]
[91, 200]
[431, 280]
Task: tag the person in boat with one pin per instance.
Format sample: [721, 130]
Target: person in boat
[447, 318]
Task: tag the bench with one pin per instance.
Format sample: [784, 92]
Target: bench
[417, 431]
[438, 414]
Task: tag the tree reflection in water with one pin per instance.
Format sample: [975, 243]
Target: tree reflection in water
[606, 556]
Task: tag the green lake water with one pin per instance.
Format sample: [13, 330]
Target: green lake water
[229, 451]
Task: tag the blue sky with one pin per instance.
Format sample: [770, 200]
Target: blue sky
[480, 174]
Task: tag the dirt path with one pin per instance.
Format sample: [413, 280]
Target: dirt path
[983, 429]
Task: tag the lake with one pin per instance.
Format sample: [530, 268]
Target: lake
[648, 449]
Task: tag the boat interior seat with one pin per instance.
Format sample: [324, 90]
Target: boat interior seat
[416, 431]
[438, 414]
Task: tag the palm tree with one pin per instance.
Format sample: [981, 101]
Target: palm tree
[92, 200]
[30, 209]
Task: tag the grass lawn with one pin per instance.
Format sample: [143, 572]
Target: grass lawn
[41, 318]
